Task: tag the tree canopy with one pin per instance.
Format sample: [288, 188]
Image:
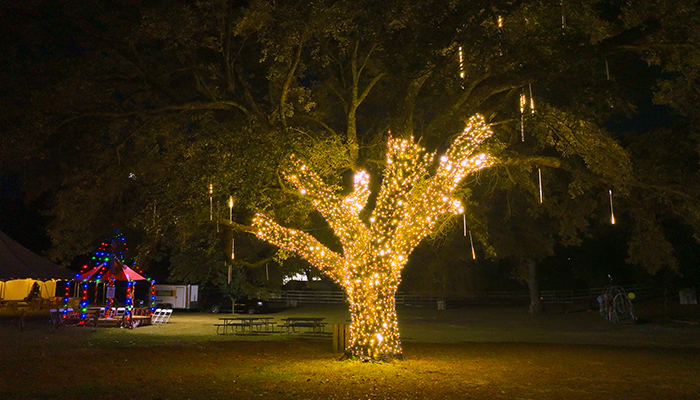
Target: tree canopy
[127, 111]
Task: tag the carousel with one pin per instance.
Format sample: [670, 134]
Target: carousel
[109, 292]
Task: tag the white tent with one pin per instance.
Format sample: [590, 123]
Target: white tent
[20, 268]
[18, 289]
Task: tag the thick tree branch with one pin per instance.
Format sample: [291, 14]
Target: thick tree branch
[218, 105]
[302, 244]
[288, 82]
[257, 264]
[341, 216]
[402, 117]
[238, 227]
[637, 37]
[318, 121]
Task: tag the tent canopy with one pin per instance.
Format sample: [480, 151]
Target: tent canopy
[18, 262]
[119, 271]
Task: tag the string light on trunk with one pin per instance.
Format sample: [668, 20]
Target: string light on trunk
[375, 250]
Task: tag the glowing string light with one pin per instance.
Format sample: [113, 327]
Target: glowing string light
[532, 100]
[408, 206]
[461, 64]
[612, 213]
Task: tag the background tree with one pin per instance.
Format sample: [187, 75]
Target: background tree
[137, 107]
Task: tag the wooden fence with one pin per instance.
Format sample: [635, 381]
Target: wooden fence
[548, 296]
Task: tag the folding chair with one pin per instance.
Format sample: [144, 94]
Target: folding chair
[56, 319]
[166, 316]
[157, 315]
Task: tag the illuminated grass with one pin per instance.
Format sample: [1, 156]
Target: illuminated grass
[481, 359]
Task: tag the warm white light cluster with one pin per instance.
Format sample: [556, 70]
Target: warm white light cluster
[409, 203]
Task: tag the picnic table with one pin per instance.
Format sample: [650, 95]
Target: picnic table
[294, 324]
[243, 324]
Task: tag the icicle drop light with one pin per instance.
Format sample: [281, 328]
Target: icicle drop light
[612, 212]
[523, 101]
[539, 176]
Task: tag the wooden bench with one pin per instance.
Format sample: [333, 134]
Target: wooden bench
[234, 325]
[314, 327]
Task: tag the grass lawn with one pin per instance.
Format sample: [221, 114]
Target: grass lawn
[463, 353]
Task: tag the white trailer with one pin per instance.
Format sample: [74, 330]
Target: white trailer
[177, 296]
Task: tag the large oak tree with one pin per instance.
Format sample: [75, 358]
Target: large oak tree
[140, 106]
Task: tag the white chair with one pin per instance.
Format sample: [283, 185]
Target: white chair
[157, 315]
[166, 316]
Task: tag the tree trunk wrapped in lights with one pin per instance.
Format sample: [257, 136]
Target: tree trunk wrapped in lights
[409, 203]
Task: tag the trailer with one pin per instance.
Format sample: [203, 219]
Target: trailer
[185, 297]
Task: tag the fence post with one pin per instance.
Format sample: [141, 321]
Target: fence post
[341, 337]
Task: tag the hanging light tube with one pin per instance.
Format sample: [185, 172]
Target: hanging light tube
[523, 101]
[612, 213]
[539, 175]
[211, 202]
[471, 242]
